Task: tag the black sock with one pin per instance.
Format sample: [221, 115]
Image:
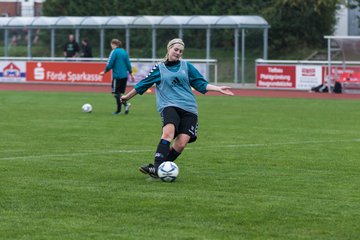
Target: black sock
[173, 154]
[118, 103]
[161, 152]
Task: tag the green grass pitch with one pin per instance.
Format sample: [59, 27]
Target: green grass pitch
[262, 168]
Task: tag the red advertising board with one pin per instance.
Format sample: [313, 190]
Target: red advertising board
[338, 71]
[275, 76]
[66, 72]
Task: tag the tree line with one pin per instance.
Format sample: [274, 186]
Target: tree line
[294, 23]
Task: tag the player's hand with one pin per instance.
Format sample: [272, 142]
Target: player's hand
[226, 90]
[123, 99]
[101, 73]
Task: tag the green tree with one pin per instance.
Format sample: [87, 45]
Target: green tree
[300, 23]
[294, 23]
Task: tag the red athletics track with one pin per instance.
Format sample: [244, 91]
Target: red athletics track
[237, 91]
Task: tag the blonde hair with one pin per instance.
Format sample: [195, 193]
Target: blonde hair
[171, 44]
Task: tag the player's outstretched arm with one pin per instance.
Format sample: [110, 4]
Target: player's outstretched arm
[222, 89]
[128, 96]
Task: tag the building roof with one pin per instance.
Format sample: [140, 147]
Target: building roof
[201, 21]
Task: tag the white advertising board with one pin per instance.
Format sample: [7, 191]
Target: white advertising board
[12, 71]
[308, 76]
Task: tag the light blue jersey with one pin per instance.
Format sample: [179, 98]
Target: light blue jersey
[175, 89]
[173, 85]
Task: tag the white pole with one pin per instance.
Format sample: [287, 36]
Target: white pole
[208, 43]
[154, 43]
[216, 73]
[6, 41]
[53, 43]
[181, 33]
[127, 36]
[236, 55]
[243, 55]
[265, 44]
[102, 41]
[29, 43]
[329, 65]
[77, 35]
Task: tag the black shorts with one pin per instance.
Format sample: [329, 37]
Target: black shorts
[118, 85]
[185, 122]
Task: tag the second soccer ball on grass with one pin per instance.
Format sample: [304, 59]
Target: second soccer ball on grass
[87, 108]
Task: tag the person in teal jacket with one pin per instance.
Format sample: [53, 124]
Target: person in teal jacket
[174, 80]
[120, 65]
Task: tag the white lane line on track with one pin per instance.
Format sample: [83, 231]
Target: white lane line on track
[188, 148]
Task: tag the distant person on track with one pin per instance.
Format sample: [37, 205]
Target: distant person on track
[174, 80]
[71, 48]
[120, 64]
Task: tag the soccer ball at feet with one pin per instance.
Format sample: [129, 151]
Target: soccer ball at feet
[87, 108]
[168, 171]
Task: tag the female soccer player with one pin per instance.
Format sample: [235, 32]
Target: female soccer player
[175, 101]
[120, 64]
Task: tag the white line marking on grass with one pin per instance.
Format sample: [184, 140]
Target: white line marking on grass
[275, 144]
[188, 148]
[73, 154]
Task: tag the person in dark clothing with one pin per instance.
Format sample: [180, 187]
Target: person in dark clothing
[86, 51]
[71, 48]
